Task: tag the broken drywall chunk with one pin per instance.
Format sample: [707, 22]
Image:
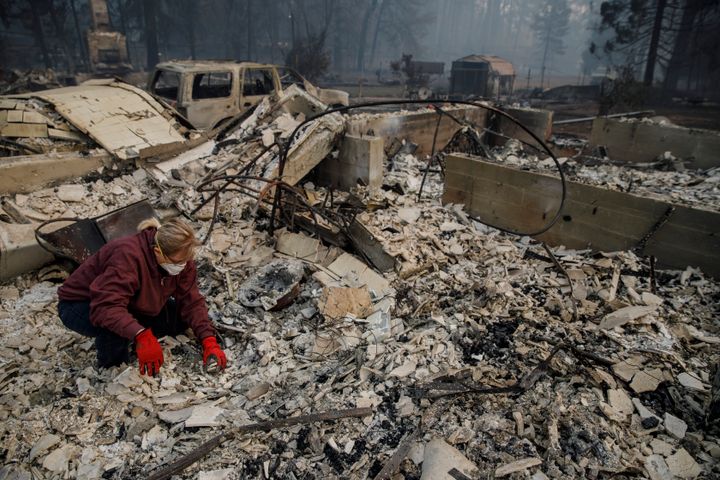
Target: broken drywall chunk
[405, 406]
[408, 367]
[338, 302]
[268, 137]
[257, 391]
[620, 401]
[439, 458]
[517, 466]
[644, 412]
[357, 274]
[409, 214]
[657, 469]
[646, 380]
[651, 299]
[71, 193]
[675, 426]
[130, 377]
[379, 327]
[222, 474]
[624, 315]
[305, 248]
[42, 445]
[206, 415]
[628, 368]
[661, 447]
[175, 416]
[59, 459]
[89, 471]
[155, 436]
[691, 382]
[683, 465]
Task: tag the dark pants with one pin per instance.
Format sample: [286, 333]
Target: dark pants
[112, 349]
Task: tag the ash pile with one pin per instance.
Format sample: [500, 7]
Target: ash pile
[459, 351]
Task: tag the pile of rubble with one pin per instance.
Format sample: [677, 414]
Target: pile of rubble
[16, 81]
[480, 355]
[695, 188]
[37, 127]
[111, 114]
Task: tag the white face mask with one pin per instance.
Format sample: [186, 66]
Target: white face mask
[173, 268]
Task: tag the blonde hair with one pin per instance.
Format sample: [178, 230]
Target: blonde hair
[173, 236]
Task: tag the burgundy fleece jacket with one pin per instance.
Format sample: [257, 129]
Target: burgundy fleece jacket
[124, 276]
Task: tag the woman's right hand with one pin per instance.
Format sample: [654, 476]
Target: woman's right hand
[149, 352]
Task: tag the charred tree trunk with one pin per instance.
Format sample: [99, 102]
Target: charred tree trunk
[679, 58]
[338, 59]
[381, 12]
[57, 17]
[39, 34]
[122, 9]
[250, 32]
[293, 33]
[192, 39]
[712, 417]
[363, 36]
[151, 41]
[80, 37]
[272, 31]
[654, 41]
[544, 59]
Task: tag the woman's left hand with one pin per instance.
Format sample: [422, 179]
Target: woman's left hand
[212, 349]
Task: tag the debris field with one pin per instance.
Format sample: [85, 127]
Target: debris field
[476, 354]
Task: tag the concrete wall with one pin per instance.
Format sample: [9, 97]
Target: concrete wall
[28, 173]
[419, 127]
[644, 142]
[538, 121]
[593, 217]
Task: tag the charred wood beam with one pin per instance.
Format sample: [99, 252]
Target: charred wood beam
[197, 454]
[396, 459]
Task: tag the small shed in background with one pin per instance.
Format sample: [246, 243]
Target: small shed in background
[482, 76]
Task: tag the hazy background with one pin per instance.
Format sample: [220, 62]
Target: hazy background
[345, 40]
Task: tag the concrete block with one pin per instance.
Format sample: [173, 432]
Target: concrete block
[638, 141]
[19, 251]
[538, 121]
[360, 158]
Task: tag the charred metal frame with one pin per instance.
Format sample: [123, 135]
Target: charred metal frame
[344, 223]
[286, 148]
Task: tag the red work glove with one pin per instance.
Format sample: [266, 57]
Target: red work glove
[149, 352]
[210, 349]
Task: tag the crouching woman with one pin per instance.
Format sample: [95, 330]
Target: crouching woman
[137, 289]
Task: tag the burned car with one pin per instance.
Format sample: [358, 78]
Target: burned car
[208, 93]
